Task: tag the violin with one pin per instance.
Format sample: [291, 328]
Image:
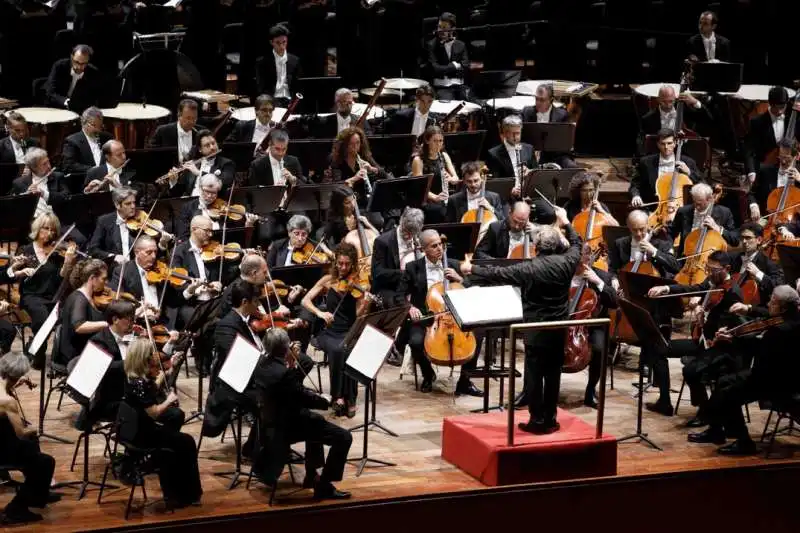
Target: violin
[176, 276]
[445, 343]
[710, 301]
[261, 322]
[277, 288]
[589, 224]
[141, 222]
[754, 327]
[103, 299]
[583, 304]
[214, 250]
[220, 208]
[698, 246]
[308, 254]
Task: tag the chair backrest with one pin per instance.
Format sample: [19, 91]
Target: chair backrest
[127, 423]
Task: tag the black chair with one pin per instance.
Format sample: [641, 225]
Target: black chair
[788, 408]
[295, 458]
[57, 373]
[236, 428]
[103, 427]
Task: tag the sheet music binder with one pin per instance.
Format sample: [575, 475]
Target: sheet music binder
[480, 307]
[89, 371]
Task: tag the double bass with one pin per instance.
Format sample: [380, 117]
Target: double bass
[445, 343]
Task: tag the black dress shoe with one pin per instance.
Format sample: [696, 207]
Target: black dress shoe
[659, 407]
[468, 388]
[540, 428]
[589, 400]
[326, 491]
[427, 385]
[19, 516]
[738, 447]
[696, 422]
[394, 359]
[521, 400]
[711, 435]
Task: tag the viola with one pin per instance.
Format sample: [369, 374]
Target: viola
[309, 254]
[141, 222]
[176, 276]
[214, 250]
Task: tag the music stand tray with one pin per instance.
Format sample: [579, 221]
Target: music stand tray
[549, 136]
[554, 184]
[501, 186]
[716, 77]
[16, 213]
[410, 191]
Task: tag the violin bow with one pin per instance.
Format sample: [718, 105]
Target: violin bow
[166, 281]
[225, 232]
[305, 374]
[319, 243]
[269, 275]
[141, 229]
[55, 247]
[153, 346]
[693, 293]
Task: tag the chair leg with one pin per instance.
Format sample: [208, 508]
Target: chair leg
[766, 425]
[747, 412]
[772, 437]
[75, 453]
[680, 394]
[60, 399]
[103, 483]
[130, 502]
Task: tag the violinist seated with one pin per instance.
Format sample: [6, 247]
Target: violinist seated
[544, 281]
[598, 281]
[506, 237]
[773, 376]
[80, 316]
[254, 131]
[40, 271]
[751, 263]
[297, 249]
[185, 181]
[112, 174]
[474, 195]
[112, 239]
[135, 281]
[14, 147]
[210, 205]
[432, 159]
[767, 130]
[582, 189]
[414, 120]
[701, 362]
[156, 424]
[419, 276]
[703, 212]
[545, 111]
[352, 164]
[347, 296]
[331, 125]
[642, 189]
[285, 417]
[517, 159]
[771, 177]
[642, 245]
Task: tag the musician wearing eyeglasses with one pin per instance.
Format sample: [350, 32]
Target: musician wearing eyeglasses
[773, 376]
[642, 188]
[753, 264]
[281, 252]
[254, 131]
[703, 212]
[503, 236]
[277, 167]
[18, 142]
[74, 83]
[473, 195]
[448, 60]
[432, 159]
[641, 245]
[83, 150]
[701, 362]
[343, 117]
[184, 181]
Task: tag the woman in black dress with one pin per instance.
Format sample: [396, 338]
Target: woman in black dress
[341, 218]
[38, 287]
[176, 457]
[80, 319]
[342, 308]
[582, 188]
[432, 159]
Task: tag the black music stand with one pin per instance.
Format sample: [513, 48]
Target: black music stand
[461, 237]
[318, 93]
[716, 77]
[8, 173]
[311, 197]
[259, 199]
[202, 314]
[83, 210]
[386, 321]
[789, 257]
[314, 154]
[240, 153]
[501, 186]
[168, 210]
[409, 191]
[554, 184]
[16, 213]
[493, 84]
[648, 332]
[636, 285]
[149, 164]
[612, 233]
[464, 146]
[239, 235]
[392, 151]
[557, 137]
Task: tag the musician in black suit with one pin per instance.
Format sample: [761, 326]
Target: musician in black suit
[473, 195]
[329, 126]
[752, 263]
[642, 188]
[414, 120]
[276, 167]
[299, 228]
[663, 116]
[545, 111]
[254, 131]
[767, 130]
[84, 150]
[210, 186]
[516, 159]
[186, 183]
[691, 216]
[74, 83]
[770, 177]
[277, 72]
[448, 61]
[134, 275]
[43, 181]
[181, 134]
[285, 417]
[641, 245]
[708, 45]
[506, 234]
[118, 175]
[111, 239]
[544, 282]
[14, 147]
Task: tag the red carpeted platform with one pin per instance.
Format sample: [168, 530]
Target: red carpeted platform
[477, 445]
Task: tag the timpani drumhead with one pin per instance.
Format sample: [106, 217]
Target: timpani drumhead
[757, 93]
[45, 115]
[249, 113]
[131, 111]
[444, 107]
[375, 112]
[515, 103]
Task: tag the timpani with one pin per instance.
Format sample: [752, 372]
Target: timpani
[467, 118]
[50, 126]
[132, 124]
[249, 113]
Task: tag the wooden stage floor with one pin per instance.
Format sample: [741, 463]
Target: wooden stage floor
[415, 417]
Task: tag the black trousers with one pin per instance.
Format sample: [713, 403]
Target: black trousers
[414, 335]
[703, 366]
[176, 459]
[597, 338]
[37, 467]
[724, 408]
[544, 357]
[342, 385]
[317, 432]
[7, 334]
[38, 308]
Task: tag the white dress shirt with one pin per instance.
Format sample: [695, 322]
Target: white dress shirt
[288, 261]
[544, 117]
[420, 121]
[516, 160]
[122, 344]
[434, 273]
[114, 181]
[777, 127]
[404, 247]
[783, 177]
[94, 146]
[473, 199]
[277, 170]
[19, 153]
[260, 132]
[255, 336]
[699, 217]
[150, 291]
[342, 122]
[281, 87]
[124, 235]
[710, 44]
[41, 206]
[184, 143]
[668, 119]
[74, 82]
[666, 166]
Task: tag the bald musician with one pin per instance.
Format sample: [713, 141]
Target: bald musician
[506, 234]
[664, 115]
[330, 126]
[641, 244]
[112, 174]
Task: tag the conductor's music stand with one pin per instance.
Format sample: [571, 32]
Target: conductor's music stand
[554, 184]
[369, 342]
[647, 330]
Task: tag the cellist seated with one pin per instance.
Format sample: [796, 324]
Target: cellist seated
[504, 236]
[473, 195]
[641, 245]
[753, 264]
[771, 177]
[703, 212]
[642, 188]
[419, 276]
[582, 190]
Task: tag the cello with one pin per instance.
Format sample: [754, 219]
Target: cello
[582, 305]
[480, 215]
[445, 343]
[526, 250]
[748, 286]
[620, 326]
[700, 242]
[783, 203]
[771, 158]
[589, 225]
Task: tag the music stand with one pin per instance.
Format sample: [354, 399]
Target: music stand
[200, 317]
[318, 93]
[636, 285]
[240, 153]
[493, 84]
[501, 186]
[83, 210]
[311, 197]
[392, 151]
[552, 137]
[368, 342]
[259, 199]
[789, 258]
[8, 173]
[716, 77]
[461, 237]
[313, 153]
[549, 182]
[169, 209]
[305, 275]
[464, 146]
[409, 191]
[16, 213]
[240, 236]
[647, 330]
[151, 163]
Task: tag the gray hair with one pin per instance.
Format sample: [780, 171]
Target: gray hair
[666, 89]
[142, 241]
[210, 180]
[84, 49]
[637, 214]
[121, 194]
[91, 113]
[512, 121]
[276, 342]
[412, 220]
[250, 264]
[341, 92]
[34, 156]
[521, 205]
[787, 297]
[547, 240]
[278, 135]
[301, 222]
[427, 235]
[548, 88]
[13, 366]
[702, 190]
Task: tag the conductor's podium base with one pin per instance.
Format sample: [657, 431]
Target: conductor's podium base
[477, 444]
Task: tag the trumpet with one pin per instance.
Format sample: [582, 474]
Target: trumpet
[361, 166]
[162, 180]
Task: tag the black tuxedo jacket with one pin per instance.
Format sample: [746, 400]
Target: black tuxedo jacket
[166, 136]
[415, 282]
[88, 90]
[760, 139]
[766, 182]
[457, 205]
[225, 334]
[557, 114]
[441, 66]
[56, 184]
[643, 181]
[386, 273]
[267, 75]
[184, 258]
[327, 126]
[500, 164]
[188, 212]
[651, 122]
[401, 122]
[7, 155]
[718, 316]
[773, 274]
[495, 243]
[242, 132]
[223, 168]
[106, 240]
[696, 48]
[278, 250]
[76, 155]
[682, 225]
[619, 255]
[132, 283]
[112, 386]
[126, 177]
[261, 170]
